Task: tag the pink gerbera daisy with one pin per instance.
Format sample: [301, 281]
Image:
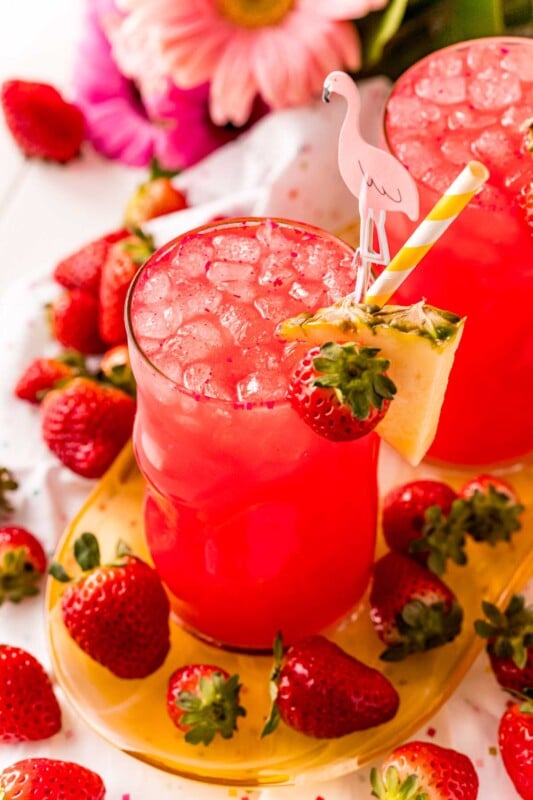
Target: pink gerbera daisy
[279, 49]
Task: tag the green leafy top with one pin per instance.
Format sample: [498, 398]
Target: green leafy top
[493, 515]
[214, 708]
[391, 787]
[7, 484]
[274, 717]
[510, 632]
[424, 626]
[356, 375]
[87, 555]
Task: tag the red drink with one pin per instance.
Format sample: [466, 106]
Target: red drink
[255, 523]
[468, 102]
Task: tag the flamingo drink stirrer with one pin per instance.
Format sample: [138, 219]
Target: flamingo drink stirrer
[379, 181]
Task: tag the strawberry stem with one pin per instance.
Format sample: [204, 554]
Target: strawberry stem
[390, 787]
[274, 717]
[18, 578]
[510, 632]
[7, 484]
[214, 709]
[356, 375]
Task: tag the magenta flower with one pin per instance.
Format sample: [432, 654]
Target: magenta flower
[170, 124]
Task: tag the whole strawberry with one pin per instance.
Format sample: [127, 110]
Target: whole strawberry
[83, 268]
[154, 197]
[22, 563]
[41, 122]
[322, 691]
[415, 522]
[425, 771]
[86, 424]
[42, 374]
[411, 609]
[74, 321]
[341, 391]
[117, 613]
[510, 643]
[494, 510]
[122, 262]
[29, 710]
[515, 740]
[50, 779]
[203, 700]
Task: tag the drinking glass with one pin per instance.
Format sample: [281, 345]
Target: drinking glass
[255, 523]
[472, 101]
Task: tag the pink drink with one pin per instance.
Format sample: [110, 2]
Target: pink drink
[255, 523]
[468, 102]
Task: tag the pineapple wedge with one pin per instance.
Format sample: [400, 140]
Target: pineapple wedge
[420, 342]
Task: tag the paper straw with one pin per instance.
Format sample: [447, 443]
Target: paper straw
[443, 213]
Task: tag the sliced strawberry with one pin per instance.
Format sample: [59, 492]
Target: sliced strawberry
[203, 700]
[29, 710]
[22, 563]
[117, 613]
[42, 123]
[425, 771]
[50, 779]
[86, 424]
[412, 610]
[82, 269]
[74, 321]
[341, 391]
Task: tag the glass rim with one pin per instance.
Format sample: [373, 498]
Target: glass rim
[503, 39]
[229, 222]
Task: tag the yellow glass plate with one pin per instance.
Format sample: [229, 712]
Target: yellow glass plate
[132, 716]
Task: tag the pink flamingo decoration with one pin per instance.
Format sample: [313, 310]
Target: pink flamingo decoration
[379, 181]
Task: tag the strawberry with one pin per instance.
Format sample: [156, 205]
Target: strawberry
[494, 509]
[123, 260]
[154, 197]
[115, 367]
[415, 522]
[42, 374]
[321, 691]
[510, 643]
[341, 391]
[22, 563]
[82, 269]
[86, 424]
[204, 700]
[425, 771]
[28, 707]
[411, 609]
[7, 484]
[41, 122]
[74, 321]
[45, 778]
[117, 613]
[515, 741]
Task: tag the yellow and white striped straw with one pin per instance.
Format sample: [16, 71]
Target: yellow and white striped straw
[441, 216]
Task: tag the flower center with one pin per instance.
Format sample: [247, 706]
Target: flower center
[254, 13]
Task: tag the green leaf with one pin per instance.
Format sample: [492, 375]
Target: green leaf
[87, 551]
[58, 572]
[387, 25]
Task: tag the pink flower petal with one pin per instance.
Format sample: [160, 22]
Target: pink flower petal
[233, 88]
[341, 9]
